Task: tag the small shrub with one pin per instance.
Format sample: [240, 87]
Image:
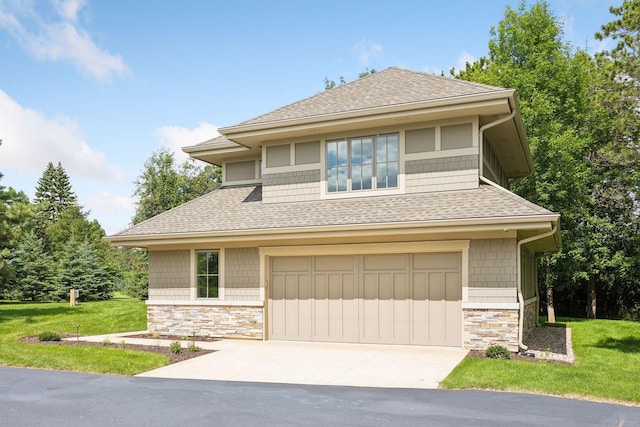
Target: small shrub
[106, 342]
[497, 352]
[193, 348]
[49, 336]
[175, 347]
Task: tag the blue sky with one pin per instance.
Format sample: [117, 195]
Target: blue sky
[98, 85]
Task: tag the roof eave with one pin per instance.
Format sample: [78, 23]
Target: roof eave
[530, 222]
[239, 131]
[524, 143]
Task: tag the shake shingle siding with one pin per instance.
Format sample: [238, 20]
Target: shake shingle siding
[169, 275]
[242, 274]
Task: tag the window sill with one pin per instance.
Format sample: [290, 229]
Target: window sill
[361, 193]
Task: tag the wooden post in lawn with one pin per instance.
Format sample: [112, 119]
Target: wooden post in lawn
[72, 297]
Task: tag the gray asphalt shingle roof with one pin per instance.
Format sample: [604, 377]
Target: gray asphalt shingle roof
[393, 86]
[231, 209]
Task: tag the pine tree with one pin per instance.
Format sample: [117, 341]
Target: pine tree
[81, 269]
[35, 271]
[53, 195]
[16, 214]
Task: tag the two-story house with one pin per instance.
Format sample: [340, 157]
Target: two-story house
[374, 212]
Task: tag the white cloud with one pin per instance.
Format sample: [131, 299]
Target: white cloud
[463, 59]
[366, 51]
[176, 137]
[62, 40]
[432, 70]
[68, 9]
[31, 140]
[113, 204]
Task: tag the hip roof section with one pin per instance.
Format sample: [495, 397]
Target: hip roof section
[391, 87]
[240, 209]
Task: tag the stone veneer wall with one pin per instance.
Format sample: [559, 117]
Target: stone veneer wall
[214, 321]
[297, 186]
[485, 327]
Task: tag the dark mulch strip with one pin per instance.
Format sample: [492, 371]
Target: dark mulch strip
[479, 354]
[185, 354]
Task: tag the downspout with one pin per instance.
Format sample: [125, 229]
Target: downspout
[554, 227]
[481, 138]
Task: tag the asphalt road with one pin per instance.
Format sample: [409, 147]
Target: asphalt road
[30, 397]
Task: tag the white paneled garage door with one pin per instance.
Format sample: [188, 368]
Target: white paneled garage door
[386, 298]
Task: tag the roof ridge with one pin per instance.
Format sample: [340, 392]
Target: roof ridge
[450, 79]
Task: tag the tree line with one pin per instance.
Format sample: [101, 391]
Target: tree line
[49, 246]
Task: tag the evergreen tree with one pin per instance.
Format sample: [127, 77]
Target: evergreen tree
[135, 274]
[53, 195]
[16, 214]
[81, 269]
[35, 271]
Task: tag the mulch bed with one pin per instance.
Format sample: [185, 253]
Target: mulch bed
[185, 354]
[479, 354]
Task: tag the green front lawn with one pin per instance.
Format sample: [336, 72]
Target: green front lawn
[120, 314]
[607, 366]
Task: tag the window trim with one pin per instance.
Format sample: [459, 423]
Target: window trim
[350, 192]
[219, 275]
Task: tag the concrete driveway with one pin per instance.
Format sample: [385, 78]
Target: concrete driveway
[361, 365]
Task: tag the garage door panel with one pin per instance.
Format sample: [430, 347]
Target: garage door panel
[334, 263]
[335, 308]
[439, 260]
[385, 262]
[289, 264]
[454, 286]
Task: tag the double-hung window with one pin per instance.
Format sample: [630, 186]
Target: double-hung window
[362, 163]
[207, 274]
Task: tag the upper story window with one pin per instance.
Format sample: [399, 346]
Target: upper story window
[362, 163]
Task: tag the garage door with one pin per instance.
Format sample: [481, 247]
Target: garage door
[386, 299]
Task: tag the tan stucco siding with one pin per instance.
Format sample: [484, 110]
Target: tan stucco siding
[295, 186]
[242, 274]
[492, 270]
[169, 275]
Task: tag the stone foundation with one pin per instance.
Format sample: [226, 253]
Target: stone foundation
[485, 327]
[213, 321]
